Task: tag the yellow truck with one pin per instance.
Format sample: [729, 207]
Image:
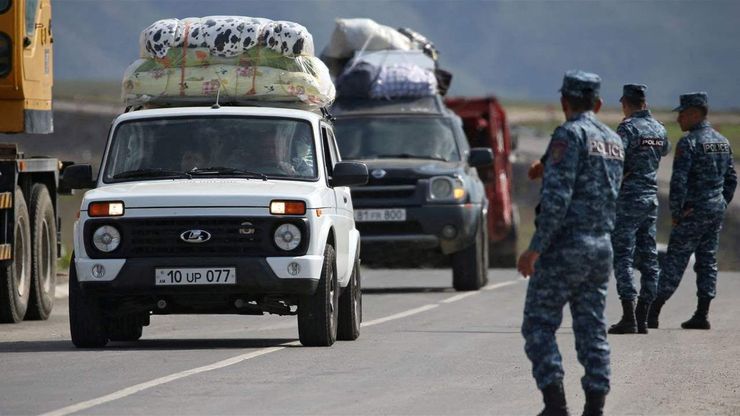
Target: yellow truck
[29, 186]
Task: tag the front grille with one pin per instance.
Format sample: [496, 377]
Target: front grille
[230, 236]
[384, 192]
[392, 179]
[389, 228]
[380, 196]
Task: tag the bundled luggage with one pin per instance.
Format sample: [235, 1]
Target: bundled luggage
[239, 59]
[352, 35]
[374, 61]
[386, 75]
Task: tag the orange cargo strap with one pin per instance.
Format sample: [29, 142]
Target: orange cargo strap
[5, 250]
[255, 65]
[6, 200]
[184, 58]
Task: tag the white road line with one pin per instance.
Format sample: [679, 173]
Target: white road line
[162, 380]
[503, 284]
[494, 286]
[459, 297]
[128, 391]
[400, 315]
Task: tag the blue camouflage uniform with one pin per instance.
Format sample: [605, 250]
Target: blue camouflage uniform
[702, 185]
[645, 141]
[583, 171]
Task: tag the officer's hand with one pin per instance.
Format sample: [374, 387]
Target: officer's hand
[536, 169]
[526, 263]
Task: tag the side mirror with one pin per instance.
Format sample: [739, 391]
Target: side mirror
[480, 157]
[349, 174]
[77, 177]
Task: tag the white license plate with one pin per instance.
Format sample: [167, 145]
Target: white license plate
[196, 276]
[380, 215]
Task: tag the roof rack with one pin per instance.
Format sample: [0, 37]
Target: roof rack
[171, 102]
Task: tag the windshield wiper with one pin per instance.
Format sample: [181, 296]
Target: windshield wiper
[224, 171]
[151, 173]
[410, 156]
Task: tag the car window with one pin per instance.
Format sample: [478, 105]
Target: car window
[329, 153]
[32, 8]
[275, 147]
[6, 55]
[333, 147]
[4, 6]
[375, 137]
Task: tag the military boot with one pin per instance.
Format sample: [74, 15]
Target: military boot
[554, 397]
[654, 312]
[628, 324]
[641, 312]
[699, 320]
[594, 404]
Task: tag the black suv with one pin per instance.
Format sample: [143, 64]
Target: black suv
[424, 194]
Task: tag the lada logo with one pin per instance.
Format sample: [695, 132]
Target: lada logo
[195, 236]
[378, 173]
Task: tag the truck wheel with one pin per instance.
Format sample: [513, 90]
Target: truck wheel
[317, 314]
[350, 307]
[15, 276]
[86, 321]
[503, 254]
[470, 265]
[125, 328]
[44, 258]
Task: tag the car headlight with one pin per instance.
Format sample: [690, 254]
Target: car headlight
[287, 237]
[106, 238]
[444, 188]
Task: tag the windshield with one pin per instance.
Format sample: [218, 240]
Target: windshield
[32, 8]
[183, 147]
[390, 137]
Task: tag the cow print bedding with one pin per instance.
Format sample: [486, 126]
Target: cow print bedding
[226, 36]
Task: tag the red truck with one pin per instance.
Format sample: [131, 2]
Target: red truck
[485, 125]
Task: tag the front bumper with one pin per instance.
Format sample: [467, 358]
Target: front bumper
[254, 275]
[423, 228]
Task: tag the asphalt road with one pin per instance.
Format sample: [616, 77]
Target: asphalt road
[424, 349]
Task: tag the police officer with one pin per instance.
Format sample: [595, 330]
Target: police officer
[645, 141]
[702, 185]
[570, 255]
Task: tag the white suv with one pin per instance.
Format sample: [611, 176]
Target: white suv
[200, 210]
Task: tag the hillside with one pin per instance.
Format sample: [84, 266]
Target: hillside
[518, 50]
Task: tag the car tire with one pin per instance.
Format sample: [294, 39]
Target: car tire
[15, 277]
[86, 322]
[470, 265]
[350, 307]
[44, 254]
[317, 314]
[125, 328]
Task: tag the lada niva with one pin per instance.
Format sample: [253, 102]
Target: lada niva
[216, 210]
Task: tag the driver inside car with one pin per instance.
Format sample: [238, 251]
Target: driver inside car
[192, 159]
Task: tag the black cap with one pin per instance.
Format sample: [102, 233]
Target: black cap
[580, 84]
[634, 91]
[693, 99]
